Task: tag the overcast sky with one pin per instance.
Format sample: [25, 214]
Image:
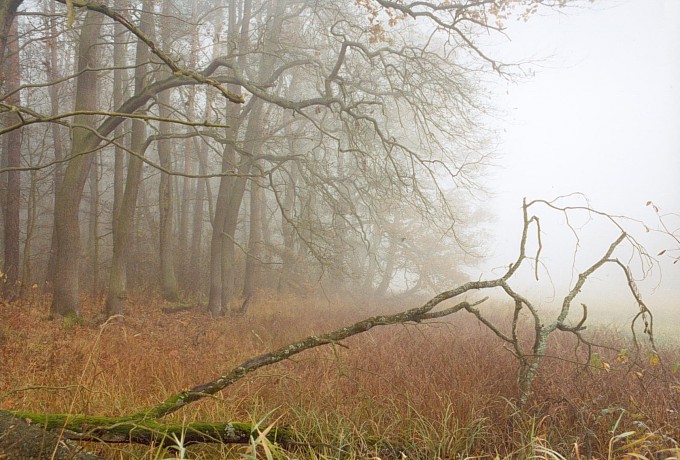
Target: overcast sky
[601, 117]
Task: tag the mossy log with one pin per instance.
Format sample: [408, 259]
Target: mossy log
[20, 440]
[146, 431]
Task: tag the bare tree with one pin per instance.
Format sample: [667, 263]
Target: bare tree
[66, 218]
[58, 145]
[379, 112]
[165, 200]
[11, 147]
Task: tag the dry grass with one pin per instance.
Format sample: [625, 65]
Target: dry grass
[443, 390]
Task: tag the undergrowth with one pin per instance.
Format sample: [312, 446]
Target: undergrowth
[439, 391]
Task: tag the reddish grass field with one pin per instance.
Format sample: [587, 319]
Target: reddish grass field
[443, 390]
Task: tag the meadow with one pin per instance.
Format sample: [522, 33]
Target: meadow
[443, 390]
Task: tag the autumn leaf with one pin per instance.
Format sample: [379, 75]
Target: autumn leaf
[654, 360]
[622, 357]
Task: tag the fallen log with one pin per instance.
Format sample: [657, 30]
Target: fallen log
[20, 440]
[145, 431]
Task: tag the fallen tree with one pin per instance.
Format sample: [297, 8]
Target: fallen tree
[132, 429]
[144, 427]
[21, 440]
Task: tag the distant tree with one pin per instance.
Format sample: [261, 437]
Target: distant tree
[86, 139]
[123, 225]
[332, 109]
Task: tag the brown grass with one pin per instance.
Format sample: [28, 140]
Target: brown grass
[443, 390]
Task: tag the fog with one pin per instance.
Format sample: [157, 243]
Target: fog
[375, 183]
[599, 115]
[384, 203]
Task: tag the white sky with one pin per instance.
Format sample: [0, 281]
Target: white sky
[601, 117]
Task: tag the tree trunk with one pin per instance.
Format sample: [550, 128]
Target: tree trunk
[388, 273]
[338, 265]
[93, 227]
[288, 254]
[53, 59]
[12, 150]
[119, 61]
[120, 155]
[372, 261]
[236, 186]
[224, 229]
[220, 291]
[66, 214]
[168, 278]
[195, 255]
[255, 136]
[165, 198]
[254, 255]
[8, 11]
[32, 217]
[123, 226]
[190, 151]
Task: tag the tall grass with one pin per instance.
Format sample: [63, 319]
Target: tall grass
[443, 390]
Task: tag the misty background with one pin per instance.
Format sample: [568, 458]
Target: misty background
[375, 183]
[192, 191]
[598, 114]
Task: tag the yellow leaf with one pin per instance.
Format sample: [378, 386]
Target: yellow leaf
[654, 360]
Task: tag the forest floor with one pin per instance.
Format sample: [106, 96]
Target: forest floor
[439, 390]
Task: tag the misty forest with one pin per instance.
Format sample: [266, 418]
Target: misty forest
[250, 229]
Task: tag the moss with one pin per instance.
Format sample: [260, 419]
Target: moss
[73, 319]
[147, 431]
